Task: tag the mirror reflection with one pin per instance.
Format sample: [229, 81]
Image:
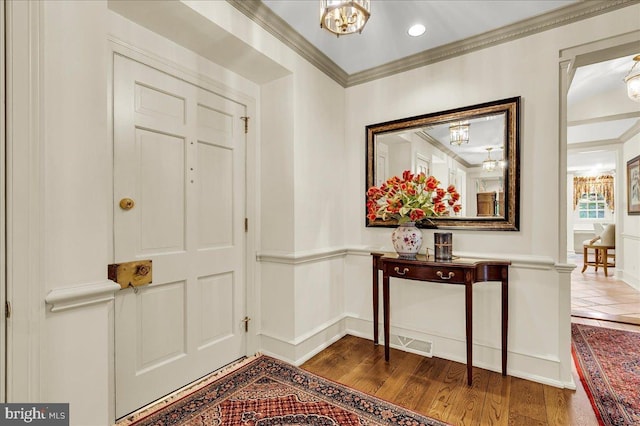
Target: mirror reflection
[473, 148]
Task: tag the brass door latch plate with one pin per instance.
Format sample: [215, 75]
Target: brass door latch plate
[131, 274]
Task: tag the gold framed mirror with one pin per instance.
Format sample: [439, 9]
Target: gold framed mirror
[475, 148]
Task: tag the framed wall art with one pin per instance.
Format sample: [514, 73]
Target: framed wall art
[633, 185]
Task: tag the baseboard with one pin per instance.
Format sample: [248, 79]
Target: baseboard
[629, 279]
[299, 350]
[535, 368]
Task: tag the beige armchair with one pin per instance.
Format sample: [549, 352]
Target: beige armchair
[603, 247]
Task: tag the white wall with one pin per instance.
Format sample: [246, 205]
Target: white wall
[302, 190]
[318, 124]
[539, 323]
[277, 167]
[66, 354]
[312, 290]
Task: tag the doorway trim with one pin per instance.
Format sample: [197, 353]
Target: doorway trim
[3, 208]
[24, 224]
[570, 59]
[119, 47]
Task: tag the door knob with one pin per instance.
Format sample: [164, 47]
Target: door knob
[127, 204]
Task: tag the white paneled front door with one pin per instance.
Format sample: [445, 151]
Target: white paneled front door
[179, 153]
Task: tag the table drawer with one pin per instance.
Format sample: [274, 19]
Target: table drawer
[434, 274]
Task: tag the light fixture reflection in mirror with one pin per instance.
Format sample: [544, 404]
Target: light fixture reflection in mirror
[489, 165]
[424, 144]
[458, 133]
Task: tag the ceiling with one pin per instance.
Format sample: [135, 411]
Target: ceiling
[600, 115]
[385, 39]
[384, 47]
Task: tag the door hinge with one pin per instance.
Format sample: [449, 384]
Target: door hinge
[246, 324]
[246, 124]
[7, 309]
[246, 224]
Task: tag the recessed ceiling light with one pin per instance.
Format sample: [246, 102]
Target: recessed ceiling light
[416, 30]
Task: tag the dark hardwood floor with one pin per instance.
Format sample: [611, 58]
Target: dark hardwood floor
[437, 388]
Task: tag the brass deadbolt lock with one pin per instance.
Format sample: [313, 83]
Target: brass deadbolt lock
[127, 204]
[131, 274]
[143, 270]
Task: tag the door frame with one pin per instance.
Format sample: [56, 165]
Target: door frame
[118, 47]
[3, 207]
[571, 59]
[24, 147]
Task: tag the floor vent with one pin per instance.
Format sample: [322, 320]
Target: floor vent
[410, 344]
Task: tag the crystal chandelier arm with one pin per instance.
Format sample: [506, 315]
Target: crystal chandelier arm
[636, 61]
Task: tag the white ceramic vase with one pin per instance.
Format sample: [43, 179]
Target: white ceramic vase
[407, 240]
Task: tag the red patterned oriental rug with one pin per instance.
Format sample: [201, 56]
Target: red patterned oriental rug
[263, 391]
[608, 362]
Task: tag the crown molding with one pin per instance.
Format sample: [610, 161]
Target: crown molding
[263, 16]
[631, 132]
[581, 146]
[540, 23]
[258, 12]
[613, 117]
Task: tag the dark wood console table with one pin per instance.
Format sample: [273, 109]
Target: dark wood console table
[459, 271]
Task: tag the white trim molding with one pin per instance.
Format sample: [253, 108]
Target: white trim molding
[264, 17]
[24, 199]
[536, 367]
[296, 258]
[630, 237]
[3, 208]
[62, 299]
[304, 347]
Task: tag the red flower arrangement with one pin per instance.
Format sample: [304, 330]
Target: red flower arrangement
[412, 198]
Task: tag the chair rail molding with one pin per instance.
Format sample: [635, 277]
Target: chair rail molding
[295, 258]
[524, 261]
[630, 236]
[61, 299]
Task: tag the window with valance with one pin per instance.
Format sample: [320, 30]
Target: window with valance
[592, 192]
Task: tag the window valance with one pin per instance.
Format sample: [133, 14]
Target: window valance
[593, 184]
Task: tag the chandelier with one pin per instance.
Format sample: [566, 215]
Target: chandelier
[489, 165]
[459, 133]
[344, 17]
[633, 80]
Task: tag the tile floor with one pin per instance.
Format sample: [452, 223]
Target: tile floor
[602, 298]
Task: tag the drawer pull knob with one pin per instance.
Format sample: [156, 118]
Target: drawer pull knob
[441, 275]
[404, 270]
